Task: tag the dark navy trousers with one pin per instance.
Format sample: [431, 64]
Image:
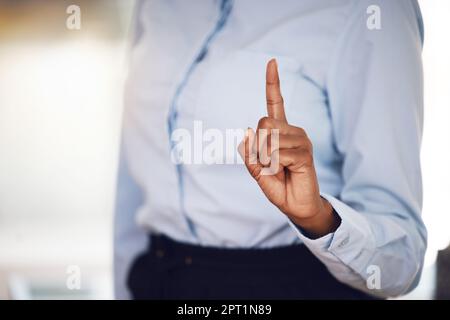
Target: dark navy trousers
[173, 270]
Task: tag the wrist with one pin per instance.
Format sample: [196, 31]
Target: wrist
[325, 221]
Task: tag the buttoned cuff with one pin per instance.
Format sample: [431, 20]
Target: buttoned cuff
[351, 244]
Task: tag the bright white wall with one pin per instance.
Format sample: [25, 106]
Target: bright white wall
[436, 141]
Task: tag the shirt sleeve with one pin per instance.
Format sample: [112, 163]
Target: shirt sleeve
[129, 240]
[375, 95]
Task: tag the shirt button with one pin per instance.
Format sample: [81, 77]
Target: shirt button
[188, 260]
[160, 253]
[344, 242]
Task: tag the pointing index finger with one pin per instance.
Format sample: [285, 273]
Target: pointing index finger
[275, 104]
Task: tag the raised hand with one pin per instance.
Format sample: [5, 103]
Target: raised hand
[280, 158]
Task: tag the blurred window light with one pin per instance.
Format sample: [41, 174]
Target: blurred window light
[60, 108]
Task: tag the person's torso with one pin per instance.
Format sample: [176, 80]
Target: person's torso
[223, 91]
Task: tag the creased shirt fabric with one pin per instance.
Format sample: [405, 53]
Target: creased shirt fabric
[357, 92]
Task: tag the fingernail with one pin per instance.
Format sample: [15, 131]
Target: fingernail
[275, 61]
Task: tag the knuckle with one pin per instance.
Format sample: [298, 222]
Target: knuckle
[307, 156]
[301, 131]
[307, 144]
[275, 101]
[287, 155]
[310, 146]
[265, 122]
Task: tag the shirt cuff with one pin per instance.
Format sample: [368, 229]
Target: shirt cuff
[351, 244]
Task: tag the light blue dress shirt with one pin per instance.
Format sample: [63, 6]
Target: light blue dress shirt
[357, 92]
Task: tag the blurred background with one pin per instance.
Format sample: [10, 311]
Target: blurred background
[60, 114]
[60, 108]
